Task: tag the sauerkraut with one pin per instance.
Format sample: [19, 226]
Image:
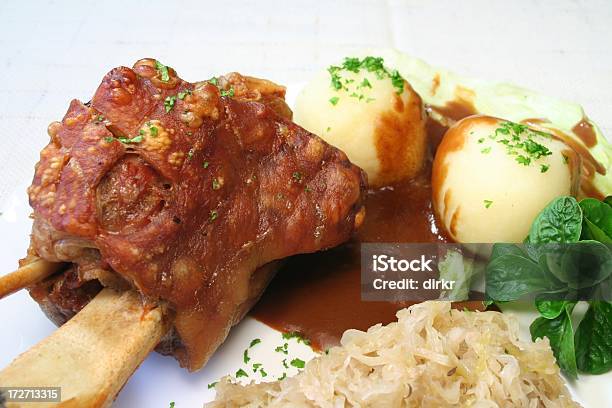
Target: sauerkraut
[433, 356]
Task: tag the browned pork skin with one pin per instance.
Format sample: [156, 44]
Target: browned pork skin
[188, 193]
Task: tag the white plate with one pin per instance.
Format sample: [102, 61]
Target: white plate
[160, 380]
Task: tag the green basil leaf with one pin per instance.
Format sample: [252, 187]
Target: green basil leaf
[580, 265]
[560, 221]
[509, 277]
[551, 309]
[561, 337]
[594, 339]
[592, 231]
[598, 220]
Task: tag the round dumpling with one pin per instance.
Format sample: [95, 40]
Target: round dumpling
[491, 178]
[370, 113]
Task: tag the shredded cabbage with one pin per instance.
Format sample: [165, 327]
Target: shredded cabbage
[432, 356]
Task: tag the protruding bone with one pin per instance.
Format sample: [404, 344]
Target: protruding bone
[93, 355]
[27, 275]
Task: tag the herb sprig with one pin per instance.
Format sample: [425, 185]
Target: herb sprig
[370, 64]
[566, 254]
[520, 141]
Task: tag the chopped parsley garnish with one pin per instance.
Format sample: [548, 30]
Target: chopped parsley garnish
[183, 94]
[256, 367]
[351, 64]
[190, 154]
[565, 159]
[241, 373]
[290, 335]
[213, 215]
[285, 363]
[126, 140]
[397, 81]
[487, 203]
[212, 384]
[544, 168]
[365, 83]
[536, 150]
[215, 184]
[371, 64]
[281, 378]
[334, 100]
[282, 349]
[254, 342]
[263, 373]
[229, 93]
[205, 165]
[153, 130]
[214, 81]
[297, 176]
[335, 78]
[162, 70]
[169, 102]
[123, 139]
[296, 335]
[524, 160]
[100, 118]
[245, 356]
[296, 362]
[519, 140]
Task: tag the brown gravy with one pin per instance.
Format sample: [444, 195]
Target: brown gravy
[319, 295]
[456, 110]
[451, 112]
[584, 130]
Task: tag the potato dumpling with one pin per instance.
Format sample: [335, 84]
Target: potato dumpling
[492, 177]
[370, 113]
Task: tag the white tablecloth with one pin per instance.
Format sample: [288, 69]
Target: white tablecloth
[53, 51]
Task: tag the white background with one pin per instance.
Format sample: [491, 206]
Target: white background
[53, 51]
